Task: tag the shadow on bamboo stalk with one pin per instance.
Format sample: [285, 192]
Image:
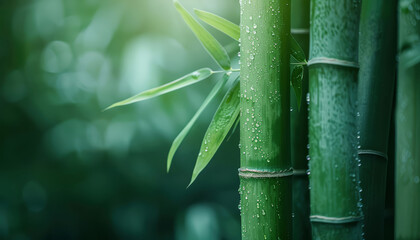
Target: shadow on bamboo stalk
[378, 44]
[299, 129]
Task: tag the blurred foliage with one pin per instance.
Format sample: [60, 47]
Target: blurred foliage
[69, 170]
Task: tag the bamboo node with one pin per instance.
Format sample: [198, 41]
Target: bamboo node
[298, 31]
[299, 172]
[372, 152]
[335, 220]
[332, 61]
[254, 173]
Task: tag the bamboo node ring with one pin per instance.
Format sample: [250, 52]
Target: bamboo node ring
[254, 173]
[298, 31]
[372, 152]
[335, 220]
[333, 61]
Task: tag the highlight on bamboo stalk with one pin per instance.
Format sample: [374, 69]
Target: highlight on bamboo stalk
[226, 117]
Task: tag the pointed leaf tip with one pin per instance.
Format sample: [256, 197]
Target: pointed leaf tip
[182, 82]
[223, 120]
[213, 47]
[221, 24]
[178, 140]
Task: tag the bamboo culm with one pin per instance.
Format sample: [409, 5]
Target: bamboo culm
[378, 47]
[333, 72]
[299, 129]
[407, 189]
[266, 170]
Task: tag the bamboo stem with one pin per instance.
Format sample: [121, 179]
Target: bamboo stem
[407, 195]
[299, 129]
[265, 174]
[378, 45]
[333, 69]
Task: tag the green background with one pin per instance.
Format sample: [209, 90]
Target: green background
[69, 170]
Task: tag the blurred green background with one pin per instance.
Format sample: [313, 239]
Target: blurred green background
[69, 170]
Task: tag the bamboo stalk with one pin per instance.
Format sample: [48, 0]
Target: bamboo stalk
[266, 171]
[389, 213]
[378, 45]
[407, 195]
[333, 69]
[299, 129]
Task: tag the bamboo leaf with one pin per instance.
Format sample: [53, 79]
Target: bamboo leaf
[233, 31]
[214, 48]
[296, 81]
[221, 24]
[235, 125]
[178, 140]
[222, 122]
[296, 50]
[184, 81]
[411, 56]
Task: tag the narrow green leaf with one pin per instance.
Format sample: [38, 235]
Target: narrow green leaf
[222, 122]
[411, 56]
[184, 81]
[296, 50]
[296, 81]
[234, 128]
[233, 31]
[178, 140]
[221, 24]
[215, 49]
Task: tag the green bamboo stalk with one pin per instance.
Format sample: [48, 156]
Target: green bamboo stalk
[333, 70]
[378, 46]
[265, 173]
[407, 195]
[299, 129]
[389, 213]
